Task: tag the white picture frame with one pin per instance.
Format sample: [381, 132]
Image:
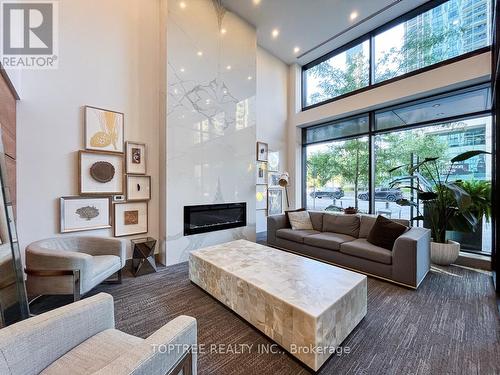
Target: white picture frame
[88, 185]
[130, 218]
[262, 151]
[135, 158]
[84, 213]
[104, 130]
[138, 188]
[275, 202]
[274, 161]
[261, 173]
[273, 179]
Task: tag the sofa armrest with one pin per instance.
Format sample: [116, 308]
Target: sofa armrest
[411, 256]
[33, 344]
[273, 224]
[159, 353]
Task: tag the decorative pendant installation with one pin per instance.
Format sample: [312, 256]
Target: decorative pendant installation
[102, 171]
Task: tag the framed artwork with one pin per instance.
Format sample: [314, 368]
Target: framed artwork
[104, 130]
[262, 151]
[130, 218]
[274, 161]
[275, 202]
[84, 213]
[261, 173]
[138, 188]
[100, 173]
[273, 179]
[136, 158]
[261, 197]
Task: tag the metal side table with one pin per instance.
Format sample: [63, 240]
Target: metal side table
[143, 256]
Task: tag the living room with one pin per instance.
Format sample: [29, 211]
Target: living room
[249, 186]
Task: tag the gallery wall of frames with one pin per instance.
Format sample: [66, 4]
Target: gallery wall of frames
[113, 186]
[269, 194]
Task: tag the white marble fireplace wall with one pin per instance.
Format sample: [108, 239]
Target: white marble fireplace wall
[211, 119]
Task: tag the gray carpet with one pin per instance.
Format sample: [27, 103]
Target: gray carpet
[449, 326]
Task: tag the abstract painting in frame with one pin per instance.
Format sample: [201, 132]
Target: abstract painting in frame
[275, 202]
[104, 130]
[135, 158]
[84, 213]
[130, 218]
[138, 188]
[100, 173]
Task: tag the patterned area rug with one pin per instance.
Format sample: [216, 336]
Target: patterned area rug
[450, 325]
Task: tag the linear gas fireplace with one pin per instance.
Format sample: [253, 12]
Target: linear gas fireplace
[213, 217]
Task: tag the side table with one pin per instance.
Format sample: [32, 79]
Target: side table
[143, 256]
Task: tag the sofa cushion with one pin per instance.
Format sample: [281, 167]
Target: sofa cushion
[344, 224]
[295, 235]
[368, 221]
[385, 232]
[328, 240]
[317, 220]
[361, 248]
[300, 220]
[93, 354]
[288, 219]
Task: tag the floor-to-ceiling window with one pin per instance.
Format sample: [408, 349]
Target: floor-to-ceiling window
[348, 162]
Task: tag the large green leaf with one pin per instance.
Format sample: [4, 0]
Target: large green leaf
[462, 198]
[467, 155]
[396, 168]
[427, 195]
[405, 202]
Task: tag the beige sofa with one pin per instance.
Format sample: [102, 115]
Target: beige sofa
[342, 240]
[81, 339]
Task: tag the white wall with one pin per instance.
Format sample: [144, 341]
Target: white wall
[272, 91]
[448, 77]
[109, 57]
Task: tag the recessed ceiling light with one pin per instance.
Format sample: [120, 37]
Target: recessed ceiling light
[183, 70]
[249, 78]
[275, 33]
[228, 67]
[183, 5]
[256, 2]
[223, 31]
[436, 105]
[200, 53]
[353, 15]
[296, 50]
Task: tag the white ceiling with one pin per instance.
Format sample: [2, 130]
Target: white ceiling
[309, 23]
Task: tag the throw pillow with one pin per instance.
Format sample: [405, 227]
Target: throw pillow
[300, 220]
[340, 223]
[287, 221]
[385, 232]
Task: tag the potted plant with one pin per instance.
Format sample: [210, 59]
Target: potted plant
[447, 205]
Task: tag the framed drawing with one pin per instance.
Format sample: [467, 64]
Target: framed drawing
[274, 161]
[262, 151]
[104, 130]
[273, 179]
[130, 218]
[84, 213]
[261, 197]
[138, 188]
[100, 173]
[275, 201]
[261, 173]
[136, 158]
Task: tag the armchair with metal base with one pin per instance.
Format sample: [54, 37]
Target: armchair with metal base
[72, 265]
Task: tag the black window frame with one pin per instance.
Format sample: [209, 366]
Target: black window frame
[373, 132]
[370, 36]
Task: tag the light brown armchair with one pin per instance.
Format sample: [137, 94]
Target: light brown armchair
[72, 265]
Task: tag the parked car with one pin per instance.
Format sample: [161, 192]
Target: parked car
[332, 193]
[383, 194]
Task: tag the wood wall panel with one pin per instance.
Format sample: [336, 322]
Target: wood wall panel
[8, 124]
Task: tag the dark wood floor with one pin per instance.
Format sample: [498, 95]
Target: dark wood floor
[449, 326]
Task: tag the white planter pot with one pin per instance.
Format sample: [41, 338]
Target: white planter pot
[444, 254]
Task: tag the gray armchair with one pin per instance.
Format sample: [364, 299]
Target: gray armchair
[72, 265]
[81, 338]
